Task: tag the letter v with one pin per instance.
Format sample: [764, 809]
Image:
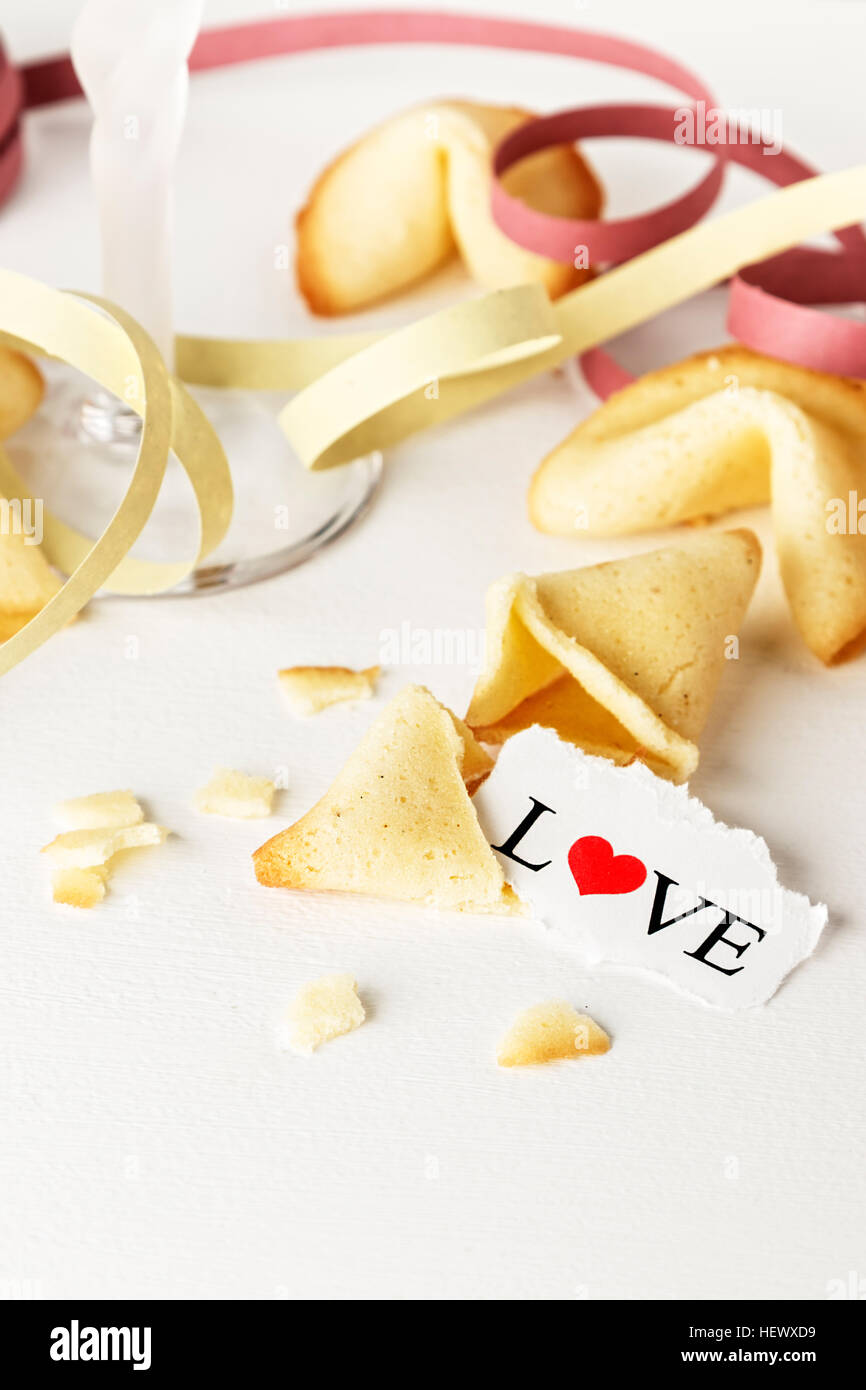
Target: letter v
[656, 922]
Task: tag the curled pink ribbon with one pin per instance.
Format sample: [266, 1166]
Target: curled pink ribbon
[769, 307]
[11, 98]
[771, 304]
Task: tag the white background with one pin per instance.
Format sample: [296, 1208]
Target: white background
[155, 1142]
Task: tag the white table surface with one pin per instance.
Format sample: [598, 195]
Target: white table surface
[155, 1142]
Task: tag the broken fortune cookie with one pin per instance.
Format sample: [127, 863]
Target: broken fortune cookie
[621, 658]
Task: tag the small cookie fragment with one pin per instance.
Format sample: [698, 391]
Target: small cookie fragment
[549, 1032]
[96, 828]
[310, 689]
[87, 849]
[236, 795]
[101, 811]
[78, 887]
[324, 1009]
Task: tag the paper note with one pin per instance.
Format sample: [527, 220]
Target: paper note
[629, 869]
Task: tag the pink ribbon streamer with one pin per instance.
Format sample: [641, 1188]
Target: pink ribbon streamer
[10, 129]
[770, 307]
[769, 303]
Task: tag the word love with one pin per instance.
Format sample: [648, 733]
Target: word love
[596, 869]
[631, 870]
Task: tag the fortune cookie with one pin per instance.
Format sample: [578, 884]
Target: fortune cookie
[398, 204]
[27, 581]
[21, 389]
[620, 658]
[397, 822]
[724, 430]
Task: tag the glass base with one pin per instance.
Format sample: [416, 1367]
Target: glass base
[77, 451]
[106, 420]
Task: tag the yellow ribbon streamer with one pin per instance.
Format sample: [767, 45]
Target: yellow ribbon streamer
[115, 352]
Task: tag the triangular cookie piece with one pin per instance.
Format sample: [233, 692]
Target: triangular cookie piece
[620, 658]
[397, 822]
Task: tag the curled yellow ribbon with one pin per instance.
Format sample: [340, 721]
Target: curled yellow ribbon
[114, 351]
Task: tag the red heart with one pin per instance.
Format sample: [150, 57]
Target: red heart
[597, 869]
